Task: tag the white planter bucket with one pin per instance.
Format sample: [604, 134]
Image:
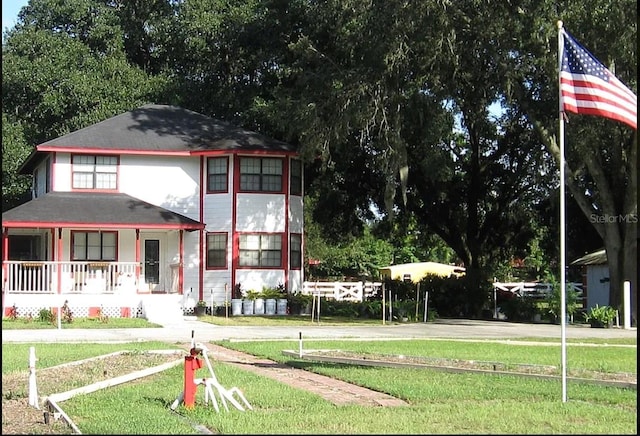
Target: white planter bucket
[270, 306]
[247, 307]
[281, 306]
[236, 306]
[258, 306]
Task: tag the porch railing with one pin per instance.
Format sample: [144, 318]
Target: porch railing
[69, 277]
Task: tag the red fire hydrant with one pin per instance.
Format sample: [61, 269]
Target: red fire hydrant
[191, 364]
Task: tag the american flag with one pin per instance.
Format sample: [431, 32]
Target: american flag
[588, 87]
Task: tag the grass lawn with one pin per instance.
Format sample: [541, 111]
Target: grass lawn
[288, 320]
[440, 403]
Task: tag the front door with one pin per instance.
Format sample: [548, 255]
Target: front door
[152, 261]
[153, 273]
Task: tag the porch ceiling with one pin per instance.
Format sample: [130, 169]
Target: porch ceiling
[89, 210]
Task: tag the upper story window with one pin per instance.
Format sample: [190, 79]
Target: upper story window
[94, 172]
[260, 250]
[295, 251]
[216, 250]
[217, 174]
[295, 187]
[36, 181]
[47, 176]
[93, 245]
[261, 174]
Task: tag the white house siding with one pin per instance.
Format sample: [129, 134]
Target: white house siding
[214, 281]
[295, 280]
[597, 285]
[62, 172]
[127, 245]
[260, 213]
[217, 212]
[169, 182]
[296, 214]
[255, 280]
[191, 262]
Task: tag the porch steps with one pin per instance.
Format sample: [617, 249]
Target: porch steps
[163, 309]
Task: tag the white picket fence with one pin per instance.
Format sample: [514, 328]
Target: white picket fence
[347, 291]
[533, 289]
[360, 291]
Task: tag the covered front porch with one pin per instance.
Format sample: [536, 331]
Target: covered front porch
[93, 244]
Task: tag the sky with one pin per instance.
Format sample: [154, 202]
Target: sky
[10, 9]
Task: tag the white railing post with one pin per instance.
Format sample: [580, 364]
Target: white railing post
[626, 301]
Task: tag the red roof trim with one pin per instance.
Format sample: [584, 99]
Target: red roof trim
[85, 150]
[34, 225]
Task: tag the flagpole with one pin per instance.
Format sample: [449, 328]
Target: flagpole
[563, 287]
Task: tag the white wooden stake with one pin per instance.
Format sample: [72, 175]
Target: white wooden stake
[33, 388]
[300, 346]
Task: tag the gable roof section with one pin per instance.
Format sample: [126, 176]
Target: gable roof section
[156, 128]
[90, 210]
[596, 258]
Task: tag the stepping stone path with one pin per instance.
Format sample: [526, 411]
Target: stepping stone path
[336, 391]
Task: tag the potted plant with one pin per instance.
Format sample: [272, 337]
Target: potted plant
[223, 309]
[248, 302]
[600, 316]
[201, 308]
[258, 303]
[271, 295]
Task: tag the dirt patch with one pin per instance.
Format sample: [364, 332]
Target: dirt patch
[18, 417]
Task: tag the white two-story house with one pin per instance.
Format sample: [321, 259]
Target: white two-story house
[158, 201]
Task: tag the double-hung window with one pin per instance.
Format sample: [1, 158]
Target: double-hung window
[217, 174]
[295, 187]
[261, 174]
[295, 251]
[94, 172]
[260, 250]
[93, 245]
[216, 250]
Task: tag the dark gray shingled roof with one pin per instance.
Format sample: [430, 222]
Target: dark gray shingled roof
[101, 209]
[161, 128]
[167, 128]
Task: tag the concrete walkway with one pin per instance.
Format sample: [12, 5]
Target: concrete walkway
[204, 332]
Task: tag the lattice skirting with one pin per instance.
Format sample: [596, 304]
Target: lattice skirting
[79, 312]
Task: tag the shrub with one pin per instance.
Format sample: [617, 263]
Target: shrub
[299, 302]
[274, 292]
[67, 315]
[519, 308]
[13, 313]
[45, 315]
[603, 315]
[572, 300]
